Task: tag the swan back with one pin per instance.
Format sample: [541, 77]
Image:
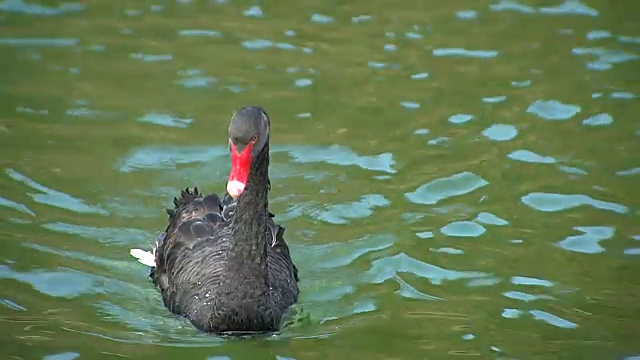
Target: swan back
[192, 265]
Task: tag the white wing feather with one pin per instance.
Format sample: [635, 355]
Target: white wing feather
[145, 257]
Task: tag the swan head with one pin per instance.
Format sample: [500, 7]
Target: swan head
[248, 135]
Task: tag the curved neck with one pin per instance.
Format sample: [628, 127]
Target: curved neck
[248, 240]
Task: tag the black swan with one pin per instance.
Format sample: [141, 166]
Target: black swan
[224, 264]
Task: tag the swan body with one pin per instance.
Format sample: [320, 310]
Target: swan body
[223, 263]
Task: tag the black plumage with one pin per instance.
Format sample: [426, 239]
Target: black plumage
[223, 263]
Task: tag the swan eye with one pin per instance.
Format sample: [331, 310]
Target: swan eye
[254, 138]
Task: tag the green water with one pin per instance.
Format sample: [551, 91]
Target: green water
[456, 178]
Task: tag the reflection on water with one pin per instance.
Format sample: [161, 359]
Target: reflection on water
[457, 180]
[553, 110]
[558, 202]
[443, 188]
[53, 197]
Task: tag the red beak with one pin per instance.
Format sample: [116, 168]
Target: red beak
[240, 165]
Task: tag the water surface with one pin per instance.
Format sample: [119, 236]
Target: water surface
[456, 178]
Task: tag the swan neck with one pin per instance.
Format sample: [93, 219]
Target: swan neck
[248, 241]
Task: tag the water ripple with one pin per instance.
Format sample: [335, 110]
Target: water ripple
[463, 229]
[448, 250]
[589, 241]
[629, 39]
[500, 132]
[194, 78]
[629, 172]
[598, 120]
[321, 19]
[521, 84]
[44, 42]
[522, 296]
[151, 57]
[12, 305]
[19, 6]
[132, 12]
[598, 35]
[334, 293]
[438, 140]
[54, 197]
[62, 356]
[379, 65]
[340, 213]
[466, 14]
[439, 189]
[95, 48]
[512, 5]
[340, 254]
[56, 283]
[390, 47]
[485, 281]
[82, 110]
[28, 110]
[16, 206]
[412, 35]
[287, 46]
[573, 7]
[465, 53]
[531, 157]
[253, 11]
[511, 313]
[491, 219]
[167, 157]
[304, 82]
[124, 267]
[411, 105]
[524, 280]
[420, 76]
[389, 267]
[553, 110]
[361, 18]
[460, 118]
[625, 95]
[165, 119]
[552, 319]
[197, 82]
[606, 58]
[550, 202]
[425, 234]
[572, 170]
[199, 33]
[494, 99]
[259, 44]
[110, 235]
[339, 155]
[409, 292]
